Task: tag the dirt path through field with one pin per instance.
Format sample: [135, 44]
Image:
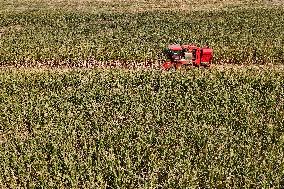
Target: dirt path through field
[137, 67]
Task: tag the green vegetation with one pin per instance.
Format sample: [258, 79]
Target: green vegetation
[80, 128]
[55, 36]
[131, 129]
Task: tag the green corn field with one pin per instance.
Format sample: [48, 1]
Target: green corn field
[83, 103]
[32, 35]
[142, 129]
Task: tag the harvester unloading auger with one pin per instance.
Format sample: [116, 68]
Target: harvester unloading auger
[187, 55]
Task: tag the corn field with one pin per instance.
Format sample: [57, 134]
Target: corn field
[142, 129]
[77, 110]
[56, 37]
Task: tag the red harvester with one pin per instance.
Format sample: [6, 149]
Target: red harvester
[187, 55]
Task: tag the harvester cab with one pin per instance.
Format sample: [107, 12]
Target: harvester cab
[187, 55]
[174, 52]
